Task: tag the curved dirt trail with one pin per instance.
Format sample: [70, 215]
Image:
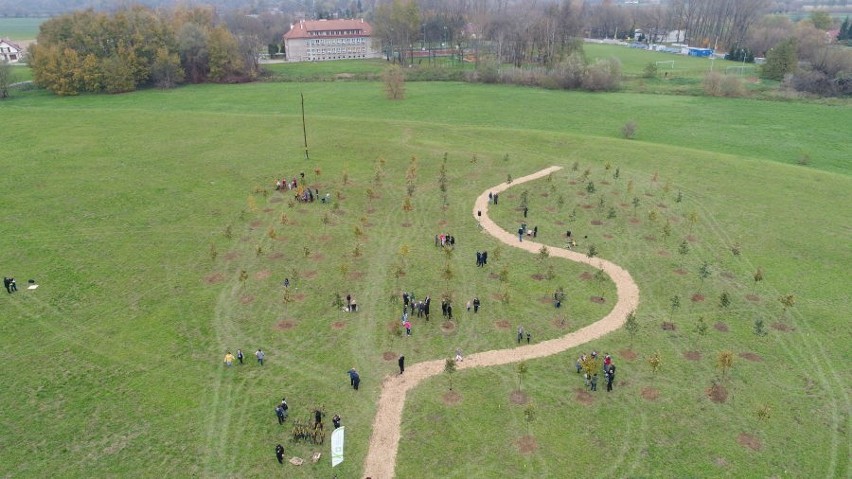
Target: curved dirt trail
[384, 442]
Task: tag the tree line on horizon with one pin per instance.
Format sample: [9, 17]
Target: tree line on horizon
[97, 52]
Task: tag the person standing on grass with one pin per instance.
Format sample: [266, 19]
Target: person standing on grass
[279, 411]
[279, 453]
[240, 356]
[594, 382]
[335, 421]
[229, 359]
[495, 198]
[354, 379]
[450, 311]
[401, 364]
[407, 326]
[521, 234]
[475, 305]
[484, 258]
[535, 231]
[529, 336]
[520, 334]
[610, 377]
[525, 211]
[260, 356]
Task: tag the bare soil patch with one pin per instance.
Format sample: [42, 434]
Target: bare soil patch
[262, 274]
[597, 299]
[442, 223]
[502, 324]
[317, 256]
[298, 297]
[634, 221]
[518, 397]
[662, 205]
[560, 323]
[392, 326]
[572, 182]
[545, 300]
[650, 394]
[663, 253]
[448, 326]
[667, 326]
[721, 462]
[721, 327]
[587, 207]
[728, 275]
[649, 238]
[406, 225]
[628, 354]
[276, 199]
[697, 298]
[545, 194]
[324, 238]
[584, 397]
[389, 355]
[214, 278]
[691, 238]
[494, 276]
[338, 325]
[267, 210]
[371, 211]
[608, 236]
[717, 393]
[597, 222]
[451, 398]
[231, 255]
[753, 298]
[559, 223]
[310, 274]
[649, 195]
[527, 444]
[550, 209]
[256, 223]
[537, 276]
[749, 441]
[680, 271]
[497, 296]
[247, 299]
[285, 324]
[355, 275]
[751, 357]
[275, 256]
[782, 327]
[692, 355]
[586, 276]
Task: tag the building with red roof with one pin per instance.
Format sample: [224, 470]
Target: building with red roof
[323, 40]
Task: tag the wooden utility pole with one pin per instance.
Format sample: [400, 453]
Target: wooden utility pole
[304, 129]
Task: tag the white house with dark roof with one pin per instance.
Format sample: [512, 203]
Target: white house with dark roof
[10, 52]
[323, 40]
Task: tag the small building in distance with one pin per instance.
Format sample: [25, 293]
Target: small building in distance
[324, 40]
[10, 52]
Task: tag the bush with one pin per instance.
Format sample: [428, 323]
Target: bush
[716, 84]
[650, 70]
[712, 83]
[569, 72]
[604, 75]
[628, 131]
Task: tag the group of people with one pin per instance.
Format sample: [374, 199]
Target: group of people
[10, 285]
[481, 258]
[522, 333]
[351, 306]
[281, 411]
[492, 197]
[444, 239]
[591, 380]
[229, 358]
[284, 185]
[473, 303]
[420, 308]
[524, 231]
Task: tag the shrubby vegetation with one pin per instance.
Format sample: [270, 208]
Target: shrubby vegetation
[99, 52]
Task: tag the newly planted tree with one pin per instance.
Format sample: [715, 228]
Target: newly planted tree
[701, 327]
[450, 370]
[655, 360]
[724, 300]
[632, 325]
[704, 272]
[593, 251]
[522, 369]
[787, 302]
[675, 304]
[725, 361]
[336, 302]
[683, 250]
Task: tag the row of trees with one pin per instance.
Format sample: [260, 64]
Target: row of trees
[98, 52]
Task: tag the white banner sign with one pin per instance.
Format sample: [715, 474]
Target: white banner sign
[337, 446]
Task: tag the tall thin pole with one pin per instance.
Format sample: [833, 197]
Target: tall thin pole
[304, 129]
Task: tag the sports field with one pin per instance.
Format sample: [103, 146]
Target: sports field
[151, 223]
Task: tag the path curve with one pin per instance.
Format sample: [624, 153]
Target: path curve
[384, 442]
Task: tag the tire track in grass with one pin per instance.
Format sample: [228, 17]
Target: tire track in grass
[384, 441]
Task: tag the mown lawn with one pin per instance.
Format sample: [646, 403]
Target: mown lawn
[138, 214]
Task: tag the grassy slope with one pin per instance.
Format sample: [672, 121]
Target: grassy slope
[135, 342]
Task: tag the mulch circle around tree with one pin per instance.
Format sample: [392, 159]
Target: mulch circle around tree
[537, 276]
[406, 225]
[607, 236]
[245, 239]
[317, 256]
[256, 224]
[572, 182]
[285, 324]
[451, 398]
[650, 394]
[692, 355]
[494, 276]
[502, 324]
[448, 326]
[282, 239]
[662, 205]
[247, 299]
[680, 271]
[231, 255]
[697, 298]
[545, 194]
[583, 397]
[560, 323]
[263, 274]
[597, 299]
[749, 441]
[649, 194]
[597, 222]
[782, 327]
[371, 211]
[587, 207]
[691, 238]
[649, 238]
[634, 221]
[527, 444]
[267, 210]
[497, 296]
[751, 357]
[442, 223]
[721, 327]
[324, 238]
[275, 256]
[717, 393]
[663, 253]
[667, 326]
[586, 276]
[753, 298]
[298, 297]
[628, 354]
[310, 274]
[545, 300]
[389, 355]
[355, 275]
[214, 278]
[338, 325]
[559, 223]
[518, 397]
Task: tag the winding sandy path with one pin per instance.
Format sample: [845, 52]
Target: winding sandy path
[384, 442]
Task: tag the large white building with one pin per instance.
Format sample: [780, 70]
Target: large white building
[322, 40]
[10, 52]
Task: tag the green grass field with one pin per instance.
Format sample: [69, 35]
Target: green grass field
[137, 214]
[20, 28]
